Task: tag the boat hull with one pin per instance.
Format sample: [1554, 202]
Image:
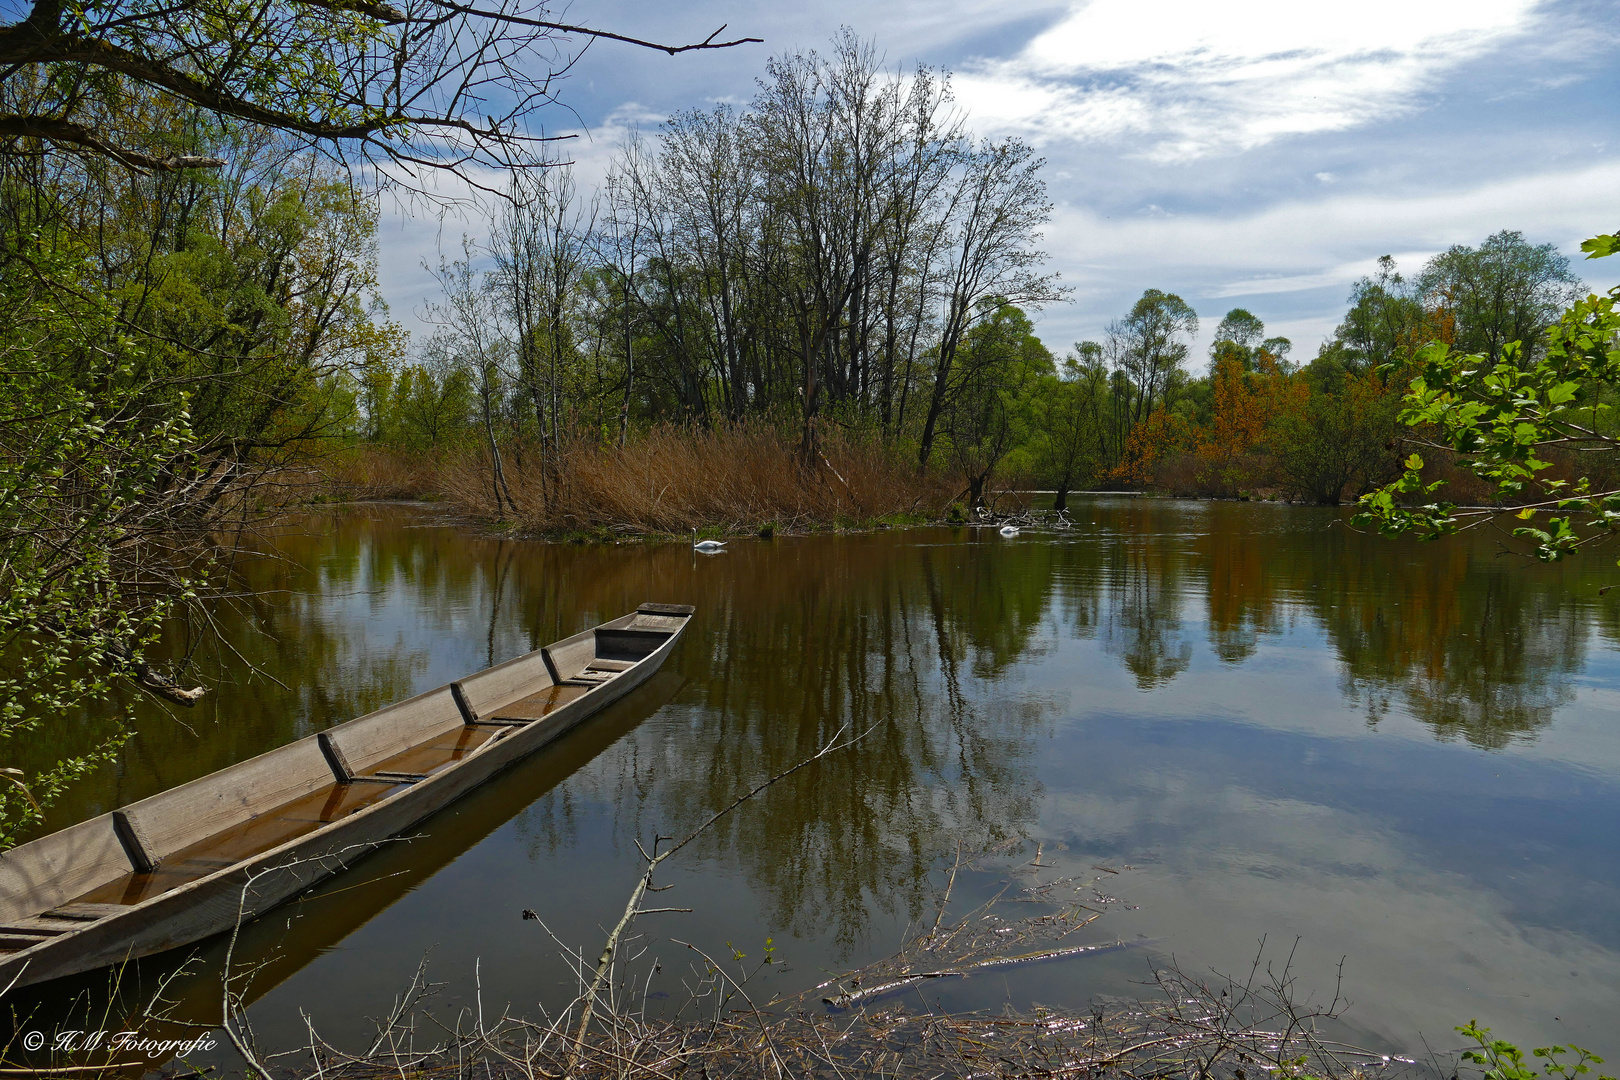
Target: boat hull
[221, 901]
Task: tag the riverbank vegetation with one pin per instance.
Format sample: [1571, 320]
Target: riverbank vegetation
[1528, 417]
[724, 1022]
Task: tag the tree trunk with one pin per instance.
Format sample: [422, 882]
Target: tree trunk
[976, 490]
[629, 373]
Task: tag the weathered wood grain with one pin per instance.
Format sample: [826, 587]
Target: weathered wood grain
[56, 868]
[487, 691]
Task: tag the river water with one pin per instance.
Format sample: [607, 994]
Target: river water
[1246, 722]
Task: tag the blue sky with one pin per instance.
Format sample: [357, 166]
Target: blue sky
[1259, 153]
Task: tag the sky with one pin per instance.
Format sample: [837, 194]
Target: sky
[1249, 153]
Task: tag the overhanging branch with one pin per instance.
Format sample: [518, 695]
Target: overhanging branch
[77, 135]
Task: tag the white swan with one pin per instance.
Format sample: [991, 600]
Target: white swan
[1008, 530]
[707, 546]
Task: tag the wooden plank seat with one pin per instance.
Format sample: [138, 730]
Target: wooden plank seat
[292, 820]
[598, 672]
[588, 677]
[27, 933]
[85, 912]
[17, 941]
[426, 758]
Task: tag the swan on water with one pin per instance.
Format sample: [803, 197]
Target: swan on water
[710, 546]
[1008, 530]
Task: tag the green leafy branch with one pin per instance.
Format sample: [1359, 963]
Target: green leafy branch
[1505, 1061]
[1501, 418]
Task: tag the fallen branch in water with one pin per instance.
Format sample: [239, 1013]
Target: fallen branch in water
[122, 660]
[855, 997]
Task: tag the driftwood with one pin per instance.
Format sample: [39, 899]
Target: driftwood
[851, 998]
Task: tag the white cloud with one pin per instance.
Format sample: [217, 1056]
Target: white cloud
[1280, 252]
[1311, 235]
[1192, 78]
[1271, 285]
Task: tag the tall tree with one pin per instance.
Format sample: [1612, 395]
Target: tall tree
[993, 409]
[1385, 314]
[1241, 327]
[1507, 289]
[1152, 343]
[996, 212]
[540, 248]
[1072, 436]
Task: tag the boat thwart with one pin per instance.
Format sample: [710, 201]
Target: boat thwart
[195, 860]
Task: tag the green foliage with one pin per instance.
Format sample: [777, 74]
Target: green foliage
[1599, 246]
[1384, 312]
[1503, 291]
[165, 341]
[1501, 417]
[418, 406]
[993, 412]
[1240, 327]
[1151, 345]
[83, 464]
[1070, 439]
[1338, 433]
[1505, 1061]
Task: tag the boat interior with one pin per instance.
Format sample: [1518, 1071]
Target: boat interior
[98, 868]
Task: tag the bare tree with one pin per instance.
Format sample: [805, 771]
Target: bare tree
[997, 209]
[540, 249]
[714, 187]
[621, 251]
[471, 336]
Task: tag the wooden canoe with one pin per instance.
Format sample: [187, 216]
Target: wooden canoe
[196, 860]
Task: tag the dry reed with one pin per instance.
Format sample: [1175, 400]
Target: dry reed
[672, 479]
[380, 472]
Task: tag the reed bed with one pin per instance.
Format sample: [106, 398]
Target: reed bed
[381, 472]
[670, 480]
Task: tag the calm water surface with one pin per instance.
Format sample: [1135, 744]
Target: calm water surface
[1403, 755]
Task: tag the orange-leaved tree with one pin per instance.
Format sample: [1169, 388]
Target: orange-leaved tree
[1244, 405]
[1161, 436]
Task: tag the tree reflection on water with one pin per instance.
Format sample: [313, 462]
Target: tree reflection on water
[927, 640]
